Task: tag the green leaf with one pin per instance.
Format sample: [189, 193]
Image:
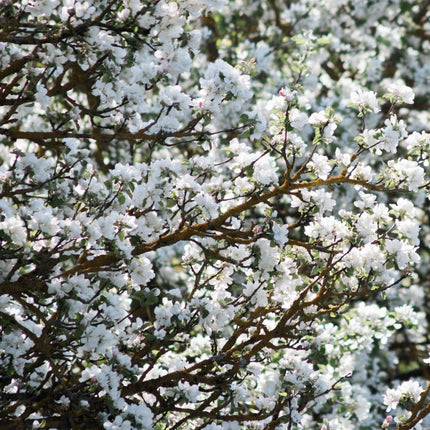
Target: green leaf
[121, 235]
[121, 198]
[299, 40]
[329, 112]
[323, 41]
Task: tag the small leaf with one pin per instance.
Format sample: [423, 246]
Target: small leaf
[121, 198]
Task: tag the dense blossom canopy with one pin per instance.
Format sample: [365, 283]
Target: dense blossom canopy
[214, 214]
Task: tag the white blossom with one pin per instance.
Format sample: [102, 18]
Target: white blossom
[406, 390]
[366, 100]
[319, 164]
[206, 221]
[403, 93]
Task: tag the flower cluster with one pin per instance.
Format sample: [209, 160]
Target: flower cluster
[214, 214]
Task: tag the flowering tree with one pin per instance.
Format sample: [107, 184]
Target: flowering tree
[214, 215]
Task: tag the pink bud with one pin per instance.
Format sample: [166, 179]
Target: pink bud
[387, 421]
[93, 378]
[257, 229]
[324, 427]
